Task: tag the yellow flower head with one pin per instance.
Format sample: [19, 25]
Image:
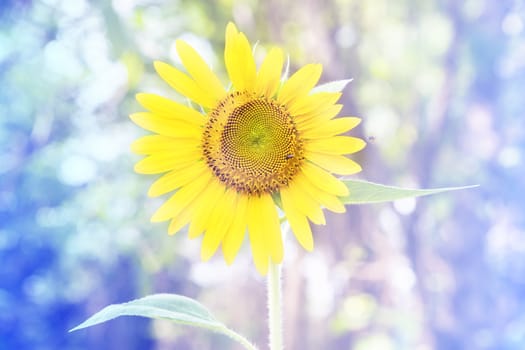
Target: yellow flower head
[261, 142]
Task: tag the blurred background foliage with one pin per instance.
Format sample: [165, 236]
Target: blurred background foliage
[439, 85]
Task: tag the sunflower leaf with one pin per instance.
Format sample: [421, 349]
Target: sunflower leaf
[332, 86]
[172, 307]
[363, 192]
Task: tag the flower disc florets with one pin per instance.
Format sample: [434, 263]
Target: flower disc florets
[252, 144]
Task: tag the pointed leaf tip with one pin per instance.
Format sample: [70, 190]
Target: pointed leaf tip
[332, 86]
[363, 192]
[177, 308]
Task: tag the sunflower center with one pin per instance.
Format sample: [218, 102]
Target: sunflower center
[251, 144]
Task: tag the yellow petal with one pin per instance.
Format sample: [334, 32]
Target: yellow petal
[207, 202]
[167, 108]
[176, 179]
[313, 103]
[184, 84]
[331, 128]
[235, 235]
[239, 60]
[317, 118]
[269, 74]
[181, 220]
[162, 162]
[326, 199]
[167, 127]
[230, 57]
[260, 237]
[219, 224]
[272, 228]
[151, 144]
[244, 52]
[335, 145]
[186, 214]
[300, 83]
[298, 222]
[305, 204]
[200, 71]
[182, 198]
[334, 163]
[324, 180]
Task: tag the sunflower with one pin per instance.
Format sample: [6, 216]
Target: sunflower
[237, 157]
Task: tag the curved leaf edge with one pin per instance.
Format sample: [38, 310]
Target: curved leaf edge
[139, 307]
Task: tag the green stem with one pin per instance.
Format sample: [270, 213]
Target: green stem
[275, 318]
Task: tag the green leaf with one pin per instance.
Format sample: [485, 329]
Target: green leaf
[332, 86]
[363, 192]
[173, 307]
